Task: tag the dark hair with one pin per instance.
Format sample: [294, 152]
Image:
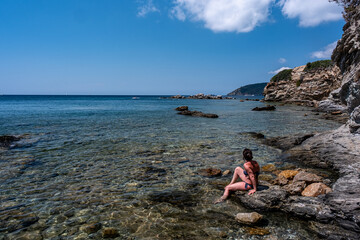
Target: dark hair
[247, 154]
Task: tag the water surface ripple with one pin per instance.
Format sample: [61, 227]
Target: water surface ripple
[132, 165]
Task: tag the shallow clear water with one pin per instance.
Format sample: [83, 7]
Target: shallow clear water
[132, 165]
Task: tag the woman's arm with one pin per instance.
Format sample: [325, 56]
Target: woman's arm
[252, 179]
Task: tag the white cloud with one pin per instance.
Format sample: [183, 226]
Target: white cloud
[224, 15]
[278, 70]
[311, 12]
[146, 8]
[325, 52]
[282, 60]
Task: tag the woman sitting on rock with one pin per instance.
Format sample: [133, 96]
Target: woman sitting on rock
[249, 176]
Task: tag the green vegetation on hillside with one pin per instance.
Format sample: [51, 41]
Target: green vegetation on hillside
[251, 89]
[283, 75]
[318, 64]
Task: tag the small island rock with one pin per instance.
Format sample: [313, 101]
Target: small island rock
[182, 108]
[267, 108]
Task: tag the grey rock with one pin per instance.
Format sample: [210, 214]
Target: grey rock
[271, 198]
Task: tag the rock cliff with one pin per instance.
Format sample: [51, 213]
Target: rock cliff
[305, 85]
[347, 56]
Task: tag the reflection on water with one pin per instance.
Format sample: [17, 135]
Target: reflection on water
[131, 165]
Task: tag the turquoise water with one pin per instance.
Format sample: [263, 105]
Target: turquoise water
[131, 164]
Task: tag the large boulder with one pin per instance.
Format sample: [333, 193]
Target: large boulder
[307, 177]
[316, 189]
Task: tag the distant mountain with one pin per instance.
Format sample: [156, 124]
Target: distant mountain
[251, 89]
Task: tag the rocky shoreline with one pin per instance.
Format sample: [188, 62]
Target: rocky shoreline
[334, 212]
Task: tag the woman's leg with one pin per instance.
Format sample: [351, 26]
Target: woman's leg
[239, 172]
[233, 187]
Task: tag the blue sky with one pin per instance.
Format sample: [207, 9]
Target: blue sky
[158, 46]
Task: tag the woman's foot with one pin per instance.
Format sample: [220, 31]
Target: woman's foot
[220, 200]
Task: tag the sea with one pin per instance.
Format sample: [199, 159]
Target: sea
[128, 166]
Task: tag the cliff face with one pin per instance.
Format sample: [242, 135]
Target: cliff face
[306, 86]
[347, 56]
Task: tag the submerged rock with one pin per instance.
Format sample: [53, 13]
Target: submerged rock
[110, 233]
[267, 108]
[249, 218]
[209, 172]
[91, 228]
[257, 231]
[316, 189]
[7, 140]
[177, 198]
[198, 114]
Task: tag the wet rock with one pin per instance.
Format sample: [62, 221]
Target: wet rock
[226, 172]
[182, 108]
[257, 231]
[248, 218]
[307, 177]
[288, 174]
[209, 172]
[332, 232]
[91, 228]
[267, 108]
[287, 142]
[110, 233]
[198, 114]
[268, 168]
[256, 135]
[295, 188]
[309, 208]
[7, 140]
[316, 189]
